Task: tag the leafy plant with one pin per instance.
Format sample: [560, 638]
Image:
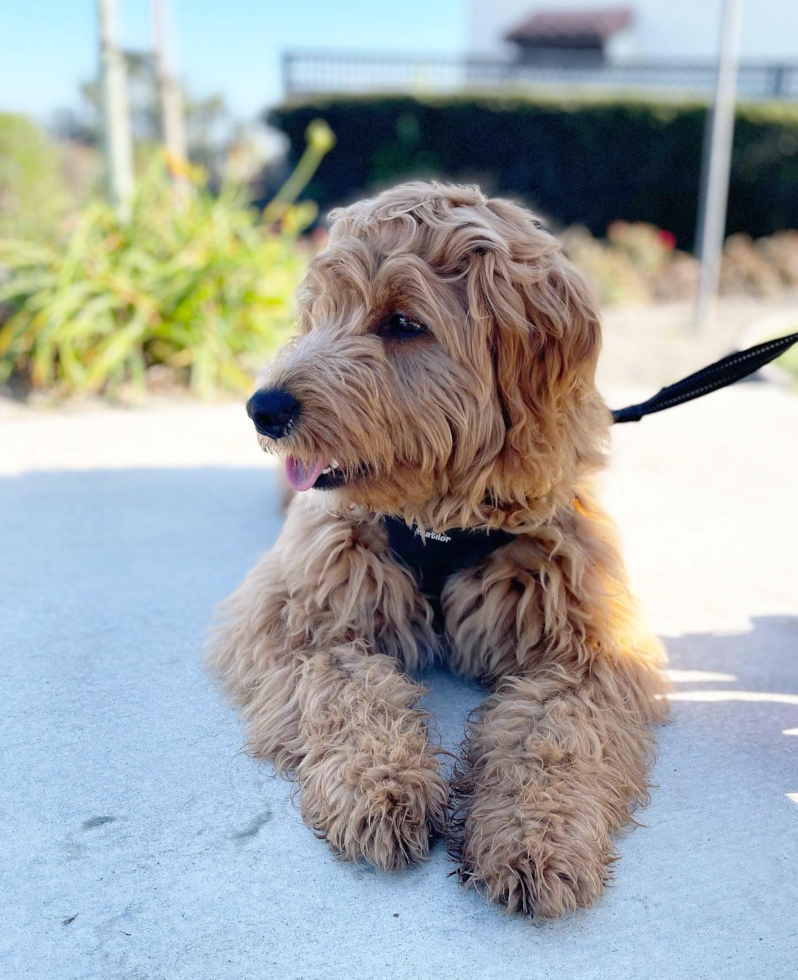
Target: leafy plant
[191, 281]
[32, 187]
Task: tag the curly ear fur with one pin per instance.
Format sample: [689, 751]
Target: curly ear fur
[545, 338]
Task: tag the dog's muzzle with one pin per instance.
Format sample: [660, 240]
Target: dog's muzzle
[274, 412]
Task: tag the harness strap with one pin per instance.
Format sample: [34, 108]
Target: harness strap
[433, 558]
[724, 372]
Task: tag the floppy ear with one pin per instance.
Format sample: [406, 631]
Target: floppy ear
[545, 339]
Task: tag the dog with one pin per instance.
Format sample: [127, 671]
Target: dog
[439, 394]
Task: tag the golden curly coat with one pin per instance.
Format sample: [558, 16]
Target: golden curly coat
[444, 365]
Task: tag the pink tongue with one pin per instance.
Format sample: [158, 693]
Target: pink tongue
[303, 477]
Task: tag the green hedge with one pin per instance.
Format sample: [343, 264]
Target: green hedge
[580, 161]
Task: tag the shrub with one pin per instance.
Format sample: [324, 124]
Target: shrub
[744, 269]
[637, 263]
[613, 276]
[195, 285]
[581, 161]
[781, 252]
[32, 185]
[187, 282]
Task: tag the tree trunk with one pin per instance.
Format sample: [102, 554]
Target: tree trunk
[117, 139]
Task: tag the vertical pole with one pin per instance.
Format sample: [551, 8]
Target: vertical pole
[778, 81]
[171, 98]
[287, 66]
[117, 139]
[717, 164]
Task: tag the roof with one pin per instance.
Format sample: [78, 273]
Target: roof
[548, 25]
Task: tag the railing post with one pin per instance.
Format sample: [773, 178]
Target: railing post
[777, 84]
[312, 73]
[287, 65]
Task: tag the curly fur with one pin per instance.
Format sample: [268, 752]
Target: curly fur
[490, 419]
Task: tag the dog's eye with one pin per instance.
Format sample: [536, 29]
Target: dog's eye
[401, 327]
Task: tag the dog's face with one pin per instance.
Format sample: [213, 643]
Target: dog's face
[443, 364]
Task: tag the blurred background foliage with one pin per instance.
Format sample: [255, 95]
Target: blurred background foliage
[191, 286]
[638, 263]
[587, 160]
[34, 187]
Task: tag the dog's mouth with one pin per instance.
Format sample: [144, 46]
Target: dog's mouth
[320, 474]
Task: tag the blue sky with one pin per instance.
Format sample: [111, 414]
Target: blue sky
[228, 46]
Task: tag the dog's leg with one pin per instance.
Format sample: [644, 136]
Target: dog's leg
[552, 772]
[557, 757]
[370, 783]
[344, 722]
[294, 652]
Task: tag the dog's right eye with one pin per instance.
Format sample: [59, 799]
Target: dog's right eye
[400, 327]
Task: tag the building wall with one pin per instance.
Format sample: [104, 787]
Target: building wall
[661, 28]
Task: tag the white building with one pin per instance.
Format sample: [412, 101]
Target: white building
[636, 30]
[668, 47]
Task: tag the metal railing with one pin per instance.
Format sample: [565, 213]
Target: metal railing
[328, 73]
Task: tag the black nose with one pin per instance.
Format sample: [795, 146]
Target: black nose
[273, 411]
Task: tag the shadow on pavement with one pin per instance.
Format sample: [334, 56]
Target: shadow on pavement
[136, 819]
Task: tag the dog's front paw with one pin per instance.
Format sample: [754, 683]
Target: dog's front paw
[383, 814]
[526, 871]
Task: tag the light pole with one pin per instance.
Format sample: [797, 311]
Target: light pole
[117, 139]
[717, 164]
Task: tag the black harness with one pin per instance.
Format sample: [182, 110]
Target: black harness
[433, 557]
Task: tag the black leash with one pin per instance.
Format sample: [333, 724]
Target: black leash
[432, 558]
[718, 375]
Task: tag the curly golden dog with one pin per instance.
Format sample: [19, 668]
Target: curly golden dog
[440, 395]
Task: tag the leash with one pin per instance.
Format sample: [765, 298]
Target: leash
[724, 372]
[432, 558]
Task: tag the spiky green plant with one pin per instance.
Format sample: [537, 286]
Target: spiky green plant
[193, 281]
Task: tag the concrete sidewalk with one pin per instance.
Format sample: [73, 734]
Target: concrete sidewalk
[139, 843]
